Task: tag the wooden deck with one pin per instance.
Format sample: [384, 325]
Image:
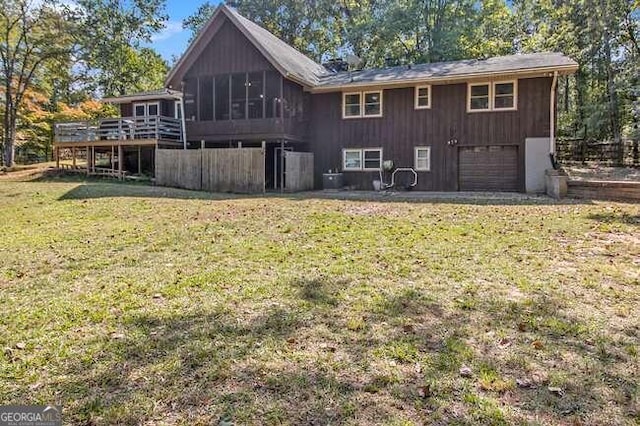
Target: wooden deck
[110, 137]
[123, 131]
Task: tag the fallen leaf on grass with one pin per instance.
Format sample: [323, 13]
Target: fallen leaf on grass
[466, 371]
[537, 344]
[408, 328]
[504, 343]
[424, 391]
[556, 390]
[524, 383]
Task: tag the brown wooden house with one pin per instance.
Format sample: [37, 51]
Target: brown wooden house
[464, 125]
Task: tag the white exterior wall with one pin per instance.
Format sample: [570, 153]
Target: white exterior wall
[536, 161]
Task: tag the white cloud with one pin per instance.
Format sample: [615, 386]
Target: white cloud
[171, 28]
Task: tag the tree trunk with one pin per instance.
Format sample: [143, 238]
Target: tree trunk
[612, 93]
[9, 141]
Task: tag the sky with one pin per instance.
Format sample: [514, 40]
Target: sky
[173, 40]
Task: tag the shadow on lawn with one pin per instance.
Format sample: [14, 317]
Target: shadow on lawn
[612, 217]
[301, 363]
[94, 189]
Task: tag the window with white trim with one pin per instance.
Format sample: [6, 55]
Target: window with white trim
[177, 109]
[351, 103]
[139, 110]
[372, 104]
[149, 109]
[361, 159]
[372, 159]
[479, 97]
[504, 95]
[362, 104]
[422, 158]
[422, 97]
[352, 159]
[496, 96]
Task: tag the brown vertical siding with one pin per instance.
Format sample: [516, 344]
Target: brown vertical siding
[126, 110]
[229, 51]
[402, 128]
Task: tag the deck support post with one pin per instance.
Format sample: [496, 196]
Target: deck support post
[120, 158]
[281, 165]
[113, 154]
[57, 157]
[73, 155]
[139, 160]
[88, 160]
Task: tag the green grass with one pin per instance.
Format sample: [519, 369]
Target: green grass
[130, 304]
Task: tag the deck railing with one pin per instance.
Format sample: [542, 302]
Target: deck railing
[117, 129]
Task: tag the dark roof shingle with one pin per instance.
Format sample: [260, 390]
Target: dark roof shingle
[454, 69]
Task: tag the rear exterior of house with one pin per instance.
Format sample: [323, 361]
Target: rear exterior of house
[466, 125]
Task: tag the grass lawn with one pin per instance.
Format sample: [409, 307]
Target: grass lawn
[131, 304]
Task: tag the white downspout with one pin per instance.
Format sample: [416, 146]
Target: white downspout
[552, 114]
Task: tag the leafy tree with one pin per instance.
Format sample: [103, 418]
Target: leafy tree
[112, 32]
[32, 34]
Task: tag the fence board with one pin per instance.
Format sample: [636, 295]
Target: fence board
[179, 168]
[298, 171]
[240, 170]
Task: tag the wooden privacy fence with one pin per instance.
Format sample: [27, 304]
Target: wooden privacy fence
[240, 170]
[233, 170]
[298, 171]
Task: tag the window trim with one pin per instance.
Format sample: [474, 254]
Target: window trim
[515, 95]
[365, 150]
[344, 104]
[344, 160]
[362, 95]
[489, 96]
[362, 108]
[146, 109]
[177, 106]
[136, 105]
[416, 97]
[415, 158]
[492, 99]
[361, 152]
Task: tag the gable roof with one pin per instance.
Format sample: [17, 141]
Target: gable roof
[287, 60]
[534, 63]
[295, 66]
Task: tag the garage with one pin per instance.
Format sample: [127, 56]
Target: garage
[488, 168]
